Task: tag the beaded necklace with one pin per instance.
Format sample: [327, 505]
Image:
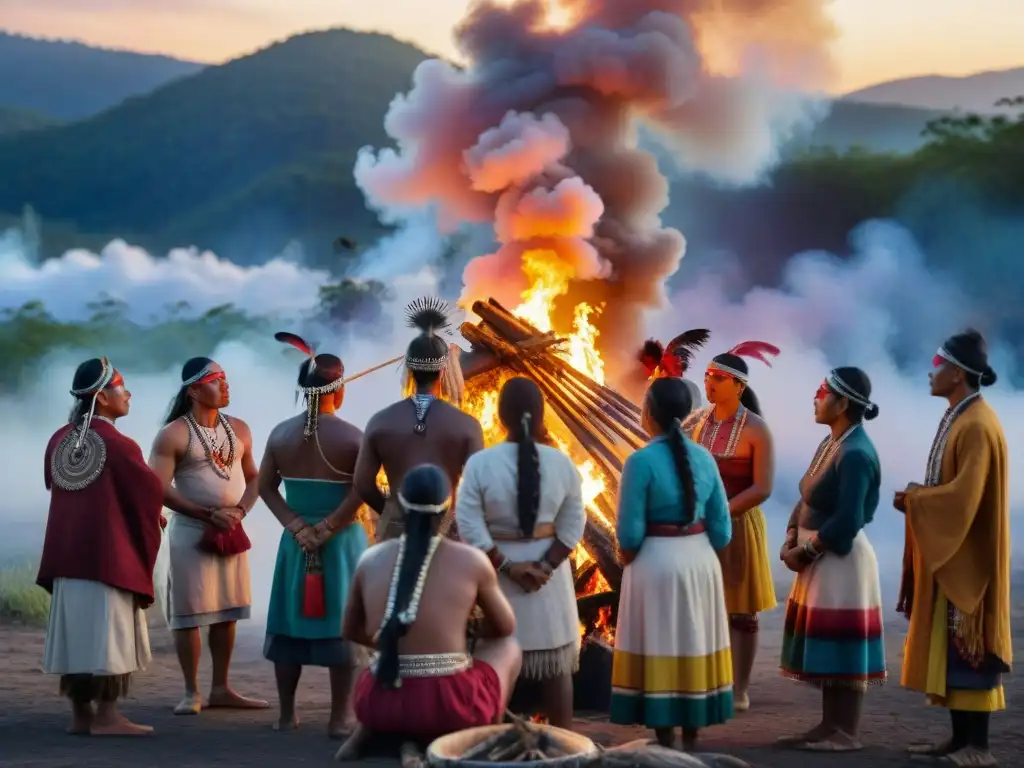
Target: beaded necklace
[938, 449]
[215, 454]
[408, 616]
[827, 450]
[708, 439]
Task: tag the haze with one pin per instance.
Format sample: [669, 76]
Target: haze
[879, 40]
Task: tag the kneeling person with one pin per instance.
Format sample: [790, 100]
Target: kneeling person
[423, 682]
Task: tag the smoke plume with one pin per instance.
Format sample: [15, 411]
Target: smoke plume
[538, 137]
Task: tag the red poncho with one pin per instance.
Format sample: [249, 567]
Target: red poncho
[109, 531]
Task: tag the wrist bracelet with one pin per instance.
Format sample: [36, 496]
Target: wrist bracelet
[810, 551]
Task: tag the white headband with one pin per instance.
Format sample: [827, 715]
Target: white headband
[842, 389]
[106, 376]
[428, 509]
[949, 357]
[738, 375]
[205, 371]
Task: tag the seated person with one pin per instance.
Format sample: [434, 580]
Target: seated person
[411, 601]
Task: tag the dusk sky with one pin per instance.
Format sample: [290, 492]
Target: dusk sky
[879, 39]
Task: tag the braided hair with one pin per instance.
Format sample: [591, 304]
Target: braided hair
[424, 487]
[521, 410]
[669, 403]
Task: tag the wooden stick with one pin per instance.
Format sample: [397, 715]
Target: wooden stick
[359, 375]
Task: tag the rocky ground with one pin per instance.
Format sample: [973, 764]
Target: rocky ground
[33, 718]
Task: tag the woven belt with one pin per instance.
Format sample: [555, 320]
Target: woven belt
[659, 530]
[430, 664]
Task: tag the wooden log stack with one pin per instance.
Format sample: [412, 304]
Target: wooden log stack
[604, 423]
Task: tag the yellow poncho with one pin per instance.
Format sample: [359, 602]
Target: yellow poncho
[958, 539]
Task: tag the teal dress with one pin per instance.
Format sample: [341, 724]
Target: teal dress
[291, 637]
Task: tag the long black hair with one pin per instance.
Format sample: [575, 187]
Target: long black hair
[748, 399]
[669, 403]
[425, 485]
[521, 410]
[971, 349]
[180, 405]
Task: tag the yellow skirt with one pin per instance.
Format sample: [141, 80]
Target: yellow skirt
[992, 700]
[746, 570]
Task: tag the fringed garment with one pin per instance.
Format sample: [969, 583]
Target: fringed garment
[547, 621]
[833, 631]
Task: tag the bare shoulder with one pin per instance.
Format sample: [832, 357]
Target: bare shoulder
[375, 554]
[758, 427]
[346, 429]
[474, 559]
[172, 438]
[459, 416]
[240, 427]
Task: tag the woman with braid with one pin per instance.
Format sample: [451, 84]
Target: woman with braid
[672, 666]
[411, 601]
[731, 428]
[521, 502]
[314, 455]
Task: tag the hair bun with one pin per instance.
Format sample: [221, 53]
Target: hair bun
[871, 412]
[988, 377]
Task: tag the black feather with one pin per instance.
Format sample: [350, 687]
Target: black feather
[296, 341]
[685, 344]
[651, 348]
[429, 314]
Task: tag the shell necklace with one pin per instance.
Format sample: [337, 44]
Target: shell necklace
[221, 456]
[827, 450]
[408, 616]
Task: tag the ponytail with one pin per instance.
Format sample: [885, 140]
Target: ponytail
[749, 401]
[528, 476]
[418, 533]
[680, 455]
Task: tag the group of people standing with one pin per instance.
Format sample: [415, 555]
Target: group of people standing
[451, 640]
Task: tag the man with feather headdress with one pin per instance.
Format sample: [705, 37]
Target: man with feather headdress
[424, 426]
[732, 428]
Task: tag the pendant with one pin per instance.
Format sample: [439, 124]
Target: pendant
[420, 428]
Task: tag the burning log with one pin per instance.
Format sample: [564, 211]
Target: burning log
[603, 423]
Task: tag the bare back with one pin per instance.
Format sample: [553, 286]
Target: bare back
[458, 578]
[300, 457]
[450, 437]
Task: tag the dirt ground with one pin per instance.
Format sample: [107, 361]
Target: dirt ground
[33, 717]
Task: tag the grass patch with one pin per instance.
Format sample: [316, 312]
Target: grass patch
[21, 600]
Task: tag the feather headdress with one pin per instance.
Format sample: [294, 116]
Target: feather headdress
[759, 350]
[429, 314]
[300, 344]
[674, 358]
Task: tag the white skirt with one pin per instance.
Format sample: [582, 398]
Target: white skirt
[94, 629]
[546, 620]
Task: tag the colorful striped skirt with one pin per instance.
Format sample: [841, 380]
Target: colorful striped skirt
[672, 664]
[833, 633]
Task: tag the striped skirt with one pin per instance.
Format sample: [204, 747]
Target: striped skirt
[833, 633]
[672, 664]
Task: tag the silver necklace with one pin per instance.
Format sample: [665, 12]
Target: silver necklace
[934, 469]
[827, 450]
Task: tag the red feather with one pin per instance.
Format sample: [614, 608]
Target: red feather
[671, 365]
[759, 350]
[296, 341]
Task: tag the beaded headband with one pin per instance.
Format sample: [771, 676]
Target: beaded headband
[205, 371]
[427, 509]
[842, 389]
[106, 376]
[949, 357]
[738, 375]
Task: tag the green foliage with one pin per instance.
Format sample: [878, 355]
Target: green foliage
[212, 146]
[20, 599]
[14, 120]
[30, 334]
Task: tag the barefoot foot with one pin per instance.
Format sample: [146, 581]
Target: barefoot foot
[817, 733]
[339, 728]
[287, 724]
[192, 704]
[119, 726]
[931, 750]
[969, 757]
[837, 742]
[353, 747]
[741, 702]
[228, 699]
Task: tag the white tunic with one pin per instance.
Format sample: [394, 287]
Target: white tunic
[197, 588]
[486, 507]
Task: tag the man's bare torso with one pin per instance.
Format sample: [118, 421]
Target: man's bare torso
[297, 456]
[449, 595]
[450, 438]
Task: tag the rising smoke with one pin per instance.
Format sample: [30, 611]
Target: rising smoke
[538, 137]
